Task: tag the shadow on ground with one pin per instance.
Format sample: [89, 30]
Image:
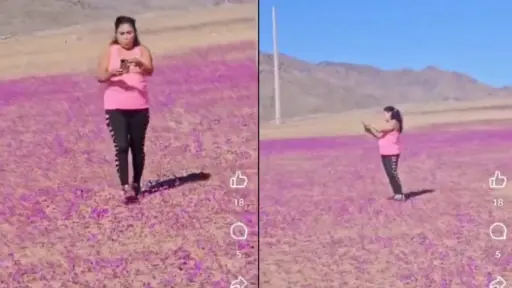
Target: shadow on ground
[416, 193]
[157, 185]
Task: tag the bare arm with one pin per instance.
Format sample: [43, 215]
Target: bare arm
[373, 134]
[384, 128]
[102, 73]
[368, 129]
[145, 63]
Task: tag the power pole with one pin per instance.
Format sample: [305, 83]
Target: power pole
[277, 88]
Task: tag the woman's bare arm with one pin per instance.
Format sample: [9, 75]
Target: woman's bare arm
[146, 64]
[384, 128]
[102, 73]
[368, 129]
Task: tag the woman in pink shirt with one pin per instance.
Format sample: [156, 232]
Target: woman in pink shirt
[388, 137]
[124, 67]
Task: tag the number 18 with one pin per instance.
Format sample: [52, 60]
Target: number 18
[239, 202]
[498, 202]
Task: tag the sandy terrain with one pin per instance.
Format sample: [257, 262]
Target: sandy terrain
[417, 115]
[76, 49]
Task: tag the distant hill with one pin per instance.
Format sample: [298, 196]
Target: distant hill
[330, 87]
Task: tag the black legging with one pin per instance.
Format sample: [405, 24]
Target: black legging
[128, 130]
[390, 163]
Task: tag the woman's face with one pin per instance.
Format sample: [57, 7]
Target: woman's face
[125, 35]
[387, 115]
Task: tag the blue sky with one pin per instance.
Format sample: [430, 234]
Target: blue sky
[472, 37]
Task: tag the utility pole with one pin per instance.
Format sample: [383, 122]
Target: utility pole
[277, 88]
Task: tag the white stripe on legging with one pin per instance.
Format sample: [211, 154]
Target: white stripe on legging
[394, 161]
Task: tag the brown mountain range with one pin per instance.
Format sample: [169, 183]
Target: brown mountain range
[328, 87]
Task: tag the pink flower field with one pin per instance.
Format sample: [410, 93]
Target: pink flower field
[63, 221]
[325, 220]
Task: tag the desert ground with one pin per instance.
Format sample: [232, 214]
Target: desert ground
[64, 223]
[324, 217]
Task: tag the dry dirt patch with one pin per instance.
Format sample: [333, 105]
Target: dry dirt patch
[418, 115]
[76, 49]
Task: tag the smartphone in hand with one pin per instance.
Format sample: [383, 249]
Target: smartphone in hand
[124, 65]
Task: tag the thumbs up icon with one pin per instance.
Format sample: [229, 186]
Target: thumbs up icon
[497, 181]
[238, 181]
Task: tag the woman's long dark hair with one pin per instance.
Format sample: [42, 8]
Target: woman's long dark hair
[120, 20]
[396, 115]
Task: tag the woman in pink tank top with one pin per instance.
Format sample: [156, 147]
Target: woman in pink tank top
[388, 137]
[123, 69]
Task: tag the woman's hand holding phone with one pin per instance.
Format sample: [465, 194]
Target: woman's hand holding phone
[125, 65]
[366, 127]
[135, 61]
[116, 72]
[123, 68]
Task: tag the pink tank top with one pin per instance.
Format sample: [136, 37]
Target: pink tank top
[127, 91]
[389, 144]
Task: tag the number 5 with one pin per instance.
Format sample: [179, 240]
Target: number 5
[239, 254]
[498, 254]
